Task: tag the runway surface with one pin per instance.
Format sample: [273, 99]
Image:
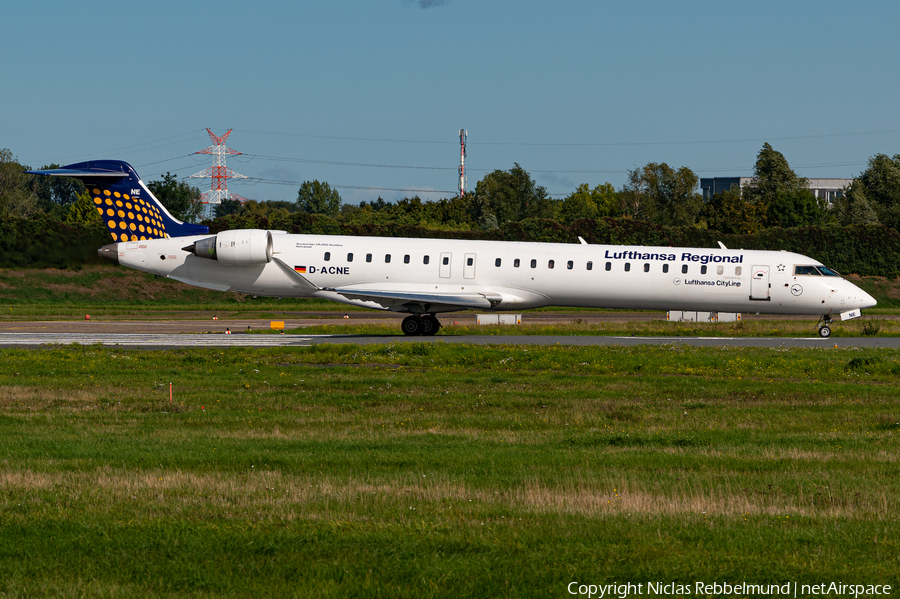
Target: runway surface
[175, 340]
[205, 329]
[204, 322]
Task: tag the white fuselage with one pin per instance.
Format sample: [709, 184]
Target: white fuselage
[516, 275]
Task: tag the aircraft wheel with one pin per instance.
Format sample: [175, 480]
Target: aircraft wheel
[824, 332]
[430, 325]
[411, 326]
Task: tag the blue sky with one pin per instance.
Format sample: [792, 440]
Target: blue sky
[574, 91]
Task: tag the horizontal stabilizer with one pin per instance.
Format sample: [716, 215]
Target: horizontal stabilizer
[81, 174]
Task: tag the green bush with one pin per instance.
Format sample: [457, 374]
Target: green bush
[44, 242]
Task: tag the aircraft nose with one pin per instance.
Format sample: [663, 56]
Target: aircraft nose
[860, 298]
[867, 301]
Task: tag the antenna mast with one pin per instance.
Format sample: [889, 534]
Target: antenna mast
[462, 162]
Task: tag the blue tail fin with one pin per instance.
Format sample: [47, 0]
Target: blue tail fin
[125, 204]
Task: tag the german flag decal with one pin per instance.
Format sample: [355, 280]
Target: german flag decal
[300, 269]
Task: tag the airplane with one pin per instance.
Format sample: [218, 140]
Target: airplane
[426, 277]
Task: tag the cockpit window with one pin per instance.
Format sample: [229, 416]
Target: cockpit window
[815, 270]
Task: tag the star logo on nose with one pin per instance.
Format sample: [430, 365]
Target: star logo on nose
[781, 268]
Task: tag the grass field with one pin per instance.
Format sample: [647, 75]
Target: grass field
[421, 470]
[119, 291]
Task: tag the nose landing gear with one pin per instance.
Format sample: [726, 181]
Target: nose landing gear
[825, 326]
[425, 324]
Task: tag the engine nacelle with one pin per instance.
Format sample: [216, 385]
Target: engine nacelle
[240, 247]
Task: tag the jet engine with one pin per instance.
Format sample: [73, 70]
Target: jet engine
[240, 247]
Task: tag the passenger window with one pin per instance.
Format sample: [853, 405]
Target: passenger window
[570, 265]
[627, 266]
[516, 263]
[406, 259]
[590, 266]
[425, 260]
[665, 268]
[350, 257]
[446, 260]
[327, 256]
[550, 264]
[609, 266]
[497, 262]
[684, 269]
[703, 270]
[387, 258]
[720, 270]
[737, 270]
[368, 257]
[646, 267]
[470, 261]
[534, 264]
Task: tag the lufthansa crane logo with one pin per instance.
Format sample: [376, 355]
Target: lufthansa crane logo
[796, 289]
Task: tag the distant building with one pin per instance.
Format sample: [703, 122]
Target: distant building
[711, 187]
[827, 189]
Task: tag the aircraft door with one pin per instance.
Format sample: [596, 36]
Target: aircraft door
[445, 265]
[759, 283]
[469, 268]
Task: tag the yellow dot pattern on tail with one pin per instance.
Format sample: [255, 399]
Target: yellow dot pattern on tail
[129, 219]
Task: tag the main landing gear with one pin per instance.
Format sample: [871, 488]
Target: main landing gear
[424, 324]
[825, 327]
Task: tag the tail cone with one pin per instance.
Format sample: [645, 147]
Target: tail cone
[110, 252]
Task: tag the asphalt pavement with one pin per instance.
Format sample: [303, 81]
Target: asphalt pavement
[204, 329]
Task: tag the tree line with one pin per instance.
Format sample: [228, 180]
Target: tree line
[775, 197]
[510, 204]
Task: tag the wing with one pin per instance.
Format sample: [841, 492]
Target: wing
[297, 280]
[395, 298]
[389, 299]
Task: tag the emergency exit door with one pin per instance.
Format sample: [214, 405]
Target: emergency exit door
[469, 268]
[446, 258]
